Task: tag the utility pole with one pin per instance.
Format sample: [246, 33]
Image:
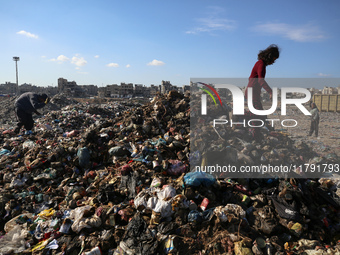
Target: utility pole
[16, 59]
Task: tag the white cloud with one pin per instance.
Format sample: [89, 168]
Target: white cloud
[128, 65]
[112, 65]
[323, 75]
[298, 33]
[78, 61]
[28, 34]
[208, 25]
[214, 21]
[96, 56]
[62, 58]
[156, 62]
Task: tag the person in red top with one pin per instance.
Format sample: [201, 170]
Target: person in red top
[257, 82]
[256, 79]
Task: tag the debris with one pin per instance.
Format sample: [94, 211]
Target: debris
[117, 178]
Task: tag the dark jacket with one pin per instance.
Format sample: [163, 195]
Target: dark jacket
[29, 102]
[315, 114]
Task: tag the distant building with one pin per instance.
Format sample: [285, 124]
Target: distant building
[113, 91]
[8, 88]
[154, 90]
[51, 90]
[314, 91]
[23, 88]
[70, 88]
[139, 90]
[126, 90]
[102, 92]
[165, 87]
[329, 91]
[89, 90]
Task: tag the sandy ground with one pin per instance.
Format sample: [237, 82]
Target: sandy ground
[328, 140]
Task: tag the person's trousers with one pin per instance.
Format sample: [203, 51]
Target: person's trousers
[24, 119]
[314, 127]
[256, 125]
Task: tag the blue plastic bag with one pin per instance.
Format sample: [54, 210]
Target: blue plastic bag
[197, 178]
[198, 217]
[84, 156]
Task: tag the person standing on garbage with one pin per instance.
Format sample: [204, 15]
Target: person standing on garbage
[315, 118]
[27, 104]
[257, 82]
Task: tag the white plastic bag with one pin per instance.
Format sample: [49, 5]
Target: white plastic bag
[141, 198]
[14, 240]
[167, 192]
[164, 207]
[79, 222]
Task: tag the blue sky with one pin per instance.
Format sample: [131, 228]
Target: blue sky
[145, 42]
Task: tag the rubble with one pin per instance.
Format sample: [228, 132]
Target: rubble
[116, 178]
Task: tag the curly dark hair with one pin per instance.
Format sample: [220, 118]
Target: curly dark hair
[270, 54]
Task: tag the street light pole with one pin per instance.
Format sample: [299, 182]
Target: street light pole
[16, 59]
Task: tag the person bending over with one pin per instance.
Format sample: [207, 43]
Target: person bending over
[27, 104]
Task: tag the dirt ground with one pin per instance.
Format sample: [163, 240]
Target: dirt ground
[328, 140]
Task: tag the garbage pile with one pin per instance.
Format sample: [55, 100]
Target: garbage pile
[116, 179]
[7, 110]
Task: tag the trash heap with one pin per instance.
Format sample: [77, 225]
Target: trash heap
[116, 179]
[7, 110]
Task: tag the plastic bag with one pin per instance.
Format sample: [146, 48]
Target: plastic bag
[119, 151]
[5, 152]
[47, 213]
[197, 178]
[141, 199]
[198, 217]
[164, 207]
[13, 222]
[285, 211]
[39, 246]
[176, 167]
[166, 192]
[83, 156]
[156, 182]
[53, 245]
[79, 222]
[14, 240]
[28, 144]
[152, 201]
